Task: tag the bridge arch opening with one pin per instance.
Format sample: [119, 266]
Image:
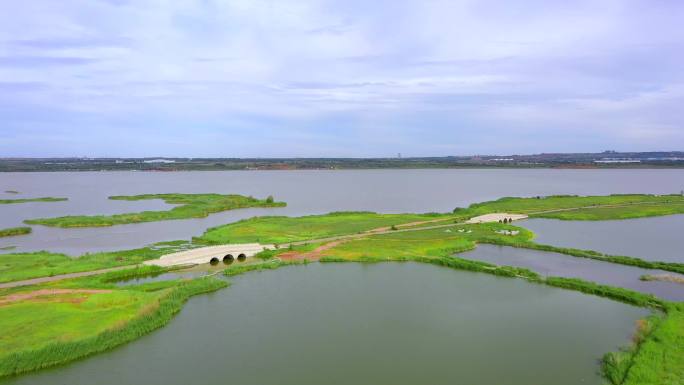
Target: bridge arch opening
[228, 259]
[214, 261]
[241, 257]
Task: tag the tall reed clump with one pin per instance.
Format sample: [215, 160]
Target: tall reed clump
[656, 356]
[153, 317]
[616, 365]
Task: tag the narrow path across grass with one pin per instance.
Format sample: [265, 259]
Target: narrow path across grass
[35, 281]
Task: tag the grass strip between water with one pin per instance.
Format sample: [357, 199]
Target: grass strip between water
[29, 200]
[590, 254]
[14, 231]
[573, 207]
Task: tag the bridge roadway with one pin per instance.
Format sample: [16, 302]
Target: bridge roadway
[210, 254]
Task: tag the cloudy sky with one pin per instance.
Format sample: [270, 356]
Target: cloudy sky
[339, 78]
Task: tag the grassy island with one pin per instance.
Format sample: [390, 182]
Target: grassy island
[13, 231]
[190, 206]
[29, 200]
[572, 207]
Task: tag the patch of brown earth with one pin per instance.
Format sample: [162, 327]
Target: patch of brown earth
[49, 292]
[313, 255]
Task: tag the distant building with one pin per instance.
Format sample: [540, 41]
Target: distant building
[666, 159]
[618, 160]
[160, 161]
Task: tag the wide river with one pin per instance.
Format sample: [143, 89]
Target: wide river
[391, 323]
[306, 192]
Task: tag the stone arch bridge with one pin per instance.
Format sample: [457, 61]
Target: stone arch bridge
[210, 254]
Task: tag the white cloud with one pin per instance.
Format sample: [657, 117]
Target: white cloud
[496, 68]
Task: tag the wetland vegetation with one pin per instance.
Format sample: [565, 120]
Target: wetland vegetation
[29, 200]
[121, 314]
[276, 229]
[14, 231]
[189, 206]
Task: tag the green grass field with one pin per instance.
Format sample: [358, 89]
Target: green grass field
[624, 212]
[583, 207]
[57, 327]
[190, 206]
[66, 317]
[28, 200]
[424, 243]
[290, 229]
[14, 231]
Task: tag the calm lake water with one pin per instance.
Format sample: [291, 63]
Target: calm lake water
[306, 192]
[655, 239]
[394, 323]
[560, 265]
